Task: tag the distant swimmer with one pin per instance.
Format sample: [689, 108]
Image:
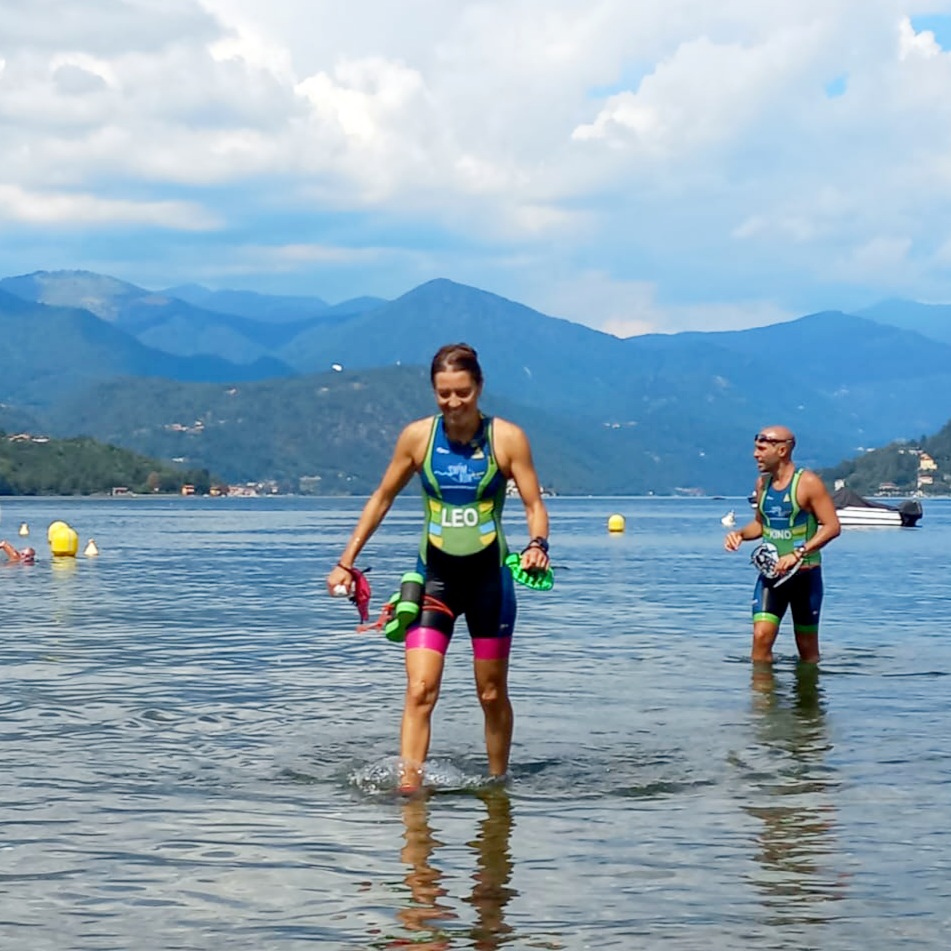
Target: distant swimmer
[463, 459]
[25, 556]
[796, 515]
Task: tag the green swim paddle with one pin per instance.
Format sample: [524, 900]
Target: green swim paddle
[535, 578]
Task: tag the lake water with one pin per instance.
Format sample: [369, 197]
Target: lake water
[199, 749]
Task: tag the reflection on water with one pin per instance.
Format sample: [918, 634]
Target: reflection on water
[429, 909]
[424, 911]
[491, 891]
[792, 798]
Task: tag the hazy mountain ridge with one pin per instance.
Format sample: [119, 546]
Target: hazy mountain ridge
[48, 352]
[249, 303]
[158, 320]
[238, 326]
[644, 413]
[100, 294]
[931, 320]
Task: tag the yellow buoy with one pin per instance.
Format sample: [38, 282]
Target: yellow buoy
[616, 523]
[63, 540]
[91, 549]
[54, 528]
[24, 528]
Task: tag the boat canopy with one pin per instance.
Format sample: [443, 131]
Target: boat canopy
[845, 497]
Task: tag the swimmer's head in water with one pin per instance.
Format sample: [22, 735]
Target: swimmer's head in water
[28, 554]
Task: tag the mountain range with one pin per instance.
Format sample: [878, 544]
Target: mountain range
[256, 386]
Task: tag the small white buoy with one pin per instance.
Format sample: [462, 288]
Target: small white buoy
[91, 549]
[729, 520]
[24, 528]
[336, 367]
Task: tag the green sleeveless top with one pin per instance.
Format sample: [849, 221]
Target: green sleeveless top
[463, 493]
[785, 524]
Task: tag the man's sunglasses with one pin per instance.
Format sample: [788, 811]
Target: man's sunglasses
[760, 439]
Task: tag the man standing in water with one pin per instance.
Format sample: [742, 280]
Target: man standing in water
[795, 512]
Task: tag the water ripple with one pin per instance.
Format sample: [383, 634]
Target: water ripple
[199, 748]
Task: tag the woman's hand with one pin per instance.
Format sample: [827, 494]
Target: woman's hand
[534, 557]
[338, 578]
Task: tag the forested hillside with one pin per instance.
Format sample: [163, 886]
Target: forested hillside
[37, 465]
[333, 433]
[923, 465]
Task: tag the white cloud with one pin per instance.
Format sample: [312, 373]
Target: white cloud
[289, 256]
[85, 210]
[632, 308]
[592, 297]
[883, 259]
[94, 66]
[942, 257]
[704, 95]
[916, 44]
[364, 94]
[243, 45]
[684, 152]
[101, 27]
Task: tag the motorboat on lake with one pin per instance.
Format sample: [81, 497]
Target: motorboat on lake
[854, 510]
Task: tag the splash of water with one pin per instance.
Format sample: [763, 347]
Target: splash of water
[382, 776]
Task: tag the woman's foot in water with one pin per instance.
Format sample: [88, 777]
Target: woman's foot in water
[409, 779]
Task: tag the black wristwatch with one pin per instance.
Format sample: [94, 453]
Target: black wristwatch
[801, 551]
[539, 542]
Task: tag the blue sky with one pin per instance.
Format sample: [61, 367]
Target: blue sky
[636, 167]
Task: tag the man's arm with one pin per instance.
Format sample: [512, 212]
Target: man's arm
[751, 530]
[814, 497]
